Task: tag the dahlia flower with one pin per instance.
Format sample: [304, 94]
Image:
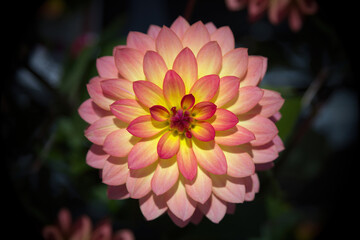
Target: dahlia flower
[82, 229]
[277, 10]
[177, 120]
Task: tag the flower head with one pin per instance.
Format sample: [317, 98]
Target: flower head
[178, 121]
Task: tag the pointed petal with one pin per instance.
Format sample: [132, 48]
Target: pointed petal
[228, 91]
[185, 65]
[278, 143]
[168, 145]
[129, 62]
[90, 112]
[154, 68]
[144, 153]
[180, 223]
[223, 120]
[255, 72]
[139, 181]
[265, 153]
[149, 94]
[252, 186]
[210, 156]
[145, 127]
[187, 101]
[205, 88]
[209, 59]
[203, 110]
[240, 164]
[118, 89]
[228, 188]
[153, 31]
[152, 206]
[200, 188]
[165, 176]
[140, 41]
[96, 157]
[196, 37]
[106, 67]
[203, 131]
[186, 159]
[234, 136]
[127, 109]
[115, 171]
[210, 26]
[168, 45]
[270, 103]
[247, 99]
[196, 217]
[159, 113]
[214, 209]
[98, 131]
[235, 63]
[174, 88]
[119, 143]
[117, 192]
[179, 26]
[95, 91]
[225, 38]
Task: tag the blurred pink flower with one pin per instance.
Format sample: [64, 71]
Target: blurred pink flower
[277, 10]
[177, 120]
[82, 229]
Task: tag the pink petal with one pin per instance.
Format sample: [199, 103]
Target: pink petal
[127, 109]
[265, 153]
[210, 26]
[186, 159]
[231, 207]
[278, 143]
[197, 217]
[196, 37]
[240, 163]
[214, 209]
[165, 176]
[117, 192]
[252, 186]
[203, 110]
[269, 104]
[145, 127]
[96, 157]
[64, 220]
[115, 49]
[209, 59]
[185, 65]
[210, 156]
[203, 131]
[180, 223]
[118, 89]
[168, 145]
[159, 113]
[140, 41]
[119, 143]
[152, 206]
[106, 67]
[173, 88]
[153, 31]
[256, 9]
[91, 112]
[179, 26]
[187, 101]
[264, 166]
[234, 136]
[205, 88]
[225, 38]
[129, 62]
[228, 91]
[255, 72]
[139, 181]
[200, 188]
[154, 68]
[115, 171]
[98, 131]
[97, 95]
[247, 99]
[236, 5]
[168, 45]
[295, 19]
[228, 188]
[223, 120]
[149, 94]
[235, 63]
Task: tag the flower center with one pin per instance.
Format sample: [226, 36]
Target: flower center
[181, 121]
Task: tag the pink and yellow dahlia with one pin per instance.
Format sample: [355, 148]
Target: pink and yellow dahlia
[177, 120]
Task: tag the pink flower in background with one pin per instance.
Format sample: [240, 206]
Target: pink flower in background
[177, 120]
[277, 10]
[82, 229]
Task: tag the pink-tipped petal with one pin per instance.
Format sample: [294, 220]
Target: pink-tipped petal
[118, 88]
[270, 103]
[228, 188]
[252, 186]
[90, 112]
[235, 63]
[203, 110]
[247, 99]
[186, 159]
[210, 26]
[96, 93]
[96, 157]
[231, 207]
[153, 31]
[265, 153]
[205, 88]
[203, 131]
[223, 120]
[119, 143]
[187, 101]
[154, 68]
[168, 145]
[240, 164]
[200, 188]
[196, 37]
[117, 192]
[214, 209]
[210, 156]
[106, 67]
[159, 113]
[168, 45]
[145, 127]
[98, 131]
[255, 71]
[180, 26]
[185, 65]
[140, 41]
[228, 91]
[278, 143]
[225, 38]
[174, 88]
[152, 206]
[139, 181]
[129, 62]
[115, 171]
[234, 136]
[209, 59]
[149, 94]
[165, 176]
[127, 109]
